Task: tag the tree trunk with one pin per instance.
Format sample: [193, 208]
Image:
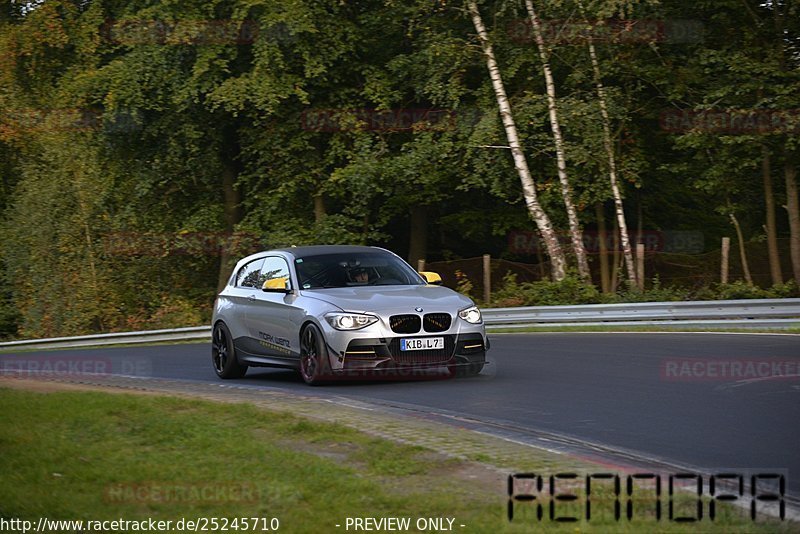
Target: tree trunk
[605, 281]
[365, 228]
[554, 250]
[87, 234]
[232, 213]
[418, 242]
[639, 218]
[566, 190]
[772, 234]
[627, 250]
[540, 261]
[724, 260]
[793, 209]
[319, 207]
[615, 260]
[742, 253]
[640, 265]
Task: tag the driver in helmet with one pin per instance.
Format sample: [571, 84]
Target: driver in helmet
[358, 275]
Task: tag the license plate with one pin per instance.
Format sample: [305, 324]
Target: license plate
[422, 343]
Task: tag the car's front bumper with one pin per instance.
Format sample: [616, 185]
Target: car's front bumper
[377, 346]
[385, 353]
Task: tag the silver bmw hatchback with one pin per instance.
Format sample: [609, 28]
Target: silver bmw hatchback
[342, 312]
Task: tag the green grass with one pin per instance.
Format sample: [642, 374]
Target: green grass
[65, 453]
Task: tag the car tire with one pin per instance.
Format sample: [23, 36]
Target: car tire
[474, 369]
[223, 354]
[466, 369]
[314, 364]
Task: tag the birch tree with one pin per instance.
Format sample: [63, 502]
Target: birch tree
[576, 234]
[543, 223]
[619, 208]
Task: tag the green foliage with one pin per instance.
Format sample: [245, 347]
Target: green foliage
[509, 294]
[571, 290]
[176, 312]
[655, 292]
[464, 284]
[742, 290]
[9, 316]
[156, 136]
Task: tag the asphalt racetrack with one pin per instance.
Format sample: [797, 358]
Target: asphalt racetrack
[711, 402]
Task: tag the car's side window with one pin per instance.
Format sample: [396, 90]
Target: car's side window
[248, 275]
[273, 269]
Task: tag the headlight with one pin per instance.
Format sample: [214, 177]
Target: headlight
[472, 315]
[350, 321]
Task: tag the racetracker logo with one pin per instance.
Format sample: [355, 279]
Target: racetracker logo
[731, 121]
[676, 242]
[726, 370]
[182, 493]
[16, 122]
[54, 366]
[163, 244]
[386, 120]
[180, 32]
[609, 31]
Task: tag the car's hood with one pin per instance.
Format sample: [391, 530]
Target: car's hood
[394, 299]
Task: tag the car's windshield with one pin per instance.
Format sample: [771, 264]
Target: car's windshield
[354, 269]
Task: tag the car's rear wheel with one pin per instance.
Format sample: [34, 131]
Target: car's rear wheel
[223, 354]
[314, 364]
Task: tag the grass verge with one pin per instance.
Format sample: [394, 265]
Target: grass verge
[100, 456]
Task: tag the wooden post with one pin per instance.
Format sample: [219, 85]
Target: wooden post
[487, 278]
[742, 251]
[420, 265]
[640, 265]
[726, 248]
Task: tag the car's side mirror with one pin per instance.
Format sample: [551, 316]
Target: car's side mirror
[277, 285]
[432, 278]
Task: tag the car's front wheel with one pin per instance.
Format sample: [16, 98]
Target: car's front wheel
[472, 368]
[314, 365]
[223, 354]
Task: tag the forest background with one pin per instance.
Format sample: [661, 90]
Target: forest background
[147, 145]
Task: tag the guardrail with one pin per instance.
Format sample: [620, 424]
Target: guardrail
[762, 313]
[117, 338]
[732, 313]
